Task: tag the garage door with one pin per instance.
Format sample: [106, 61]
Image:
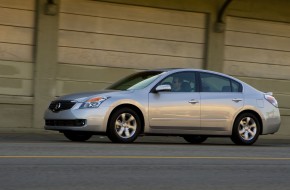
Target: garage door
[258, 52]
[100, 42]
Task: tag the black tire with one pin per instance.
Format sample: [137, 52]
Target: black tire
[124, 126]
[246, 129]
[77, 136]
[195, 139]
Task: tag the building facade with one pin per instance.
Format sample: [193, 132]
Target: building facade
[50, 48]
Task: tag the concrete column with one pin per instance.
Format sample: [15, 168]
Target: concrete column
[46, 49]
[214, 56]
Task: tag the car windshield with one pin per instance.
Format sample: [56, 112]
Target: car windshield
[136, 81]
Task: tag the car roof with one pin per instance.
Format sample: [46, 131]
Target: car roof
[182, 69]
[172, 70]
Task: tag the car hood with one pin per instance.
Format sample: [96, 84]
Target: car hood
[84, 96]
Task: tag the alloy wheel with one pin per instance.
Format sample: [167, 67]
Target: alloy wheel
[247, 128]
[126, 125]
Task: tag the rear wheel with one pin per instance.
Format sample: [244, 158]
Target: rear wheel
[124, 126]
[246, 129]
[195, 139]
[77, 136]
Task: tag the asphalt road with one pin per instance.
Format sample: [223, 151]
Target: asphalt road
[29, 162]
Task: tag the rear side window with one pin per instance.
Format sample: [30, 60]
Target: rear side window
[236, 87]
[215, 83]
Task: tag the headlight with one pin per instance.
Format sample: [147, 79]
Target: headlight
[93, 102]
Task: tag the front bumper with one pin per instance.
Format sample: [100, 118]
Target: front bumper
[93, 119]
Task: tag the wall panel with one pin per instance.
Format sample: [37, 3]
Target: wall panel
[18, 4]
[17, 24]
[91, 73]
[130, 28]
[95, 36]
[16, 17]
[130, 44]
[13, 69]
[258, 52]
[16, 116]
[254, 26]
[259, 70]
[138, 13]
[266, 85]
[124, 59]
[67, 87]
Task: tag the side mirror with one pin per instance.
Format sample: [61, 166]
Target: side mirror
[163, 87]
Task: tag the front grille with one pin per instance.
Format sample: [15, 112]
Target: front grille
[75, 122]
[60, 105]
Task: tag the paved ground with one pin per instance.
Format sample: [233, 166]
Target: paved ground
[48, 136]
[39, 161]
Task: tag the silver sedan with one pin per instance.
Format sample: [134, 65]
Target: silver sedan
[191, 103]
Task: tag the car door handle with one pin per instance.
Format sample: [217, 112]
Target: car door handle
[237, 100]
[193, 101]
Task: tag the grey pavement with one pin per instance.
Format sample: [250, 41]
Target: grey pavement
[52, 137]
[50, 162]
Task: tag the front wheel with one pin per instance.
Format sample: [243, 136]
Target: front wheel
[195, 139]
[124, 126]
[246, 129]
[77, 136]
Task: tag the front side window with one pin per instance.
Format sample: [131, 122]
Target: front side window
[181, 82]
[215, 83]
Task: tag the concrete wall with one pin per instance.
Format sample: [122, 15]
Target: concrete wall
[103, 46]
[258, 52]
[89, 44]
[17, 30]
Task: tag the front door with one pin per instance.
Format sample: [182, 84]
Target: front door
[178, 109]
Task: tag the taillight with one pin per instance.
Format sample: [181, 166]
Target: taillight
[271, 99]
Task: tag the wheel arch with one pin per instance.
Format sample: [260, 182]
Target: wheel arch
[256, 115]
[133, 107]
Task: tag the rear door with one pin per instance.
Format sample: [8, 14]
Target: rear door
[221, 99]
